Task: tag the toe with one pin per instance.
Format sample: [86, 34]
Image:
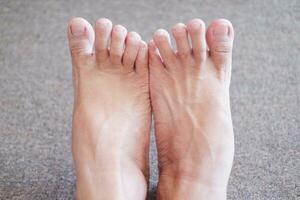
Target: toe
[117, 44]
[196, 29]
[182, 43]
[162, 41]
[154, 57]
[102, 30]
[220, 40]
[81, 38]
[142, 59]
[133, 40]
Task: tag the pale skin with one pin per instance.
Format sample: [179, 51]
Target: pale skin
[119, 81]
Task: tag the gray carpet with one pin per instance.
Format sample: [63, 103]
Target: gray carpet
[36, 91]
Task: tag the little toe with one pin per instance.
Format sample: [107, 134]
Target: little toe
[219, 38]
[103, 31]
[133, 40]
[196, 29]
[162, 41]
[182, 43]
[141, 65]
[81, 38]
[117, 44]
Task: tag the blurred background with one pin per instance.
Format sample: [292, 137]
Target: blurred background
[36, 90]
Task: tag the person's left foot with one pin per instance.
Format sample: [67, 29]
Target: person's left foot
[191, 106]
[112, 112]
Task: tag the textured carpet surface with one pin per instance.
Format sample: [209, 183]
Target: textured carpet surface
[36, 91]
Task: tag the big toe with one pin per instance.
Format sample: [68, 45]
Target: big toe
[81, 38]
[219, 38]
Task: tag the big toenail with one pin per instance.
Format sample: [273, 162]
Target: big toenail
[77, 30]
[221, 32]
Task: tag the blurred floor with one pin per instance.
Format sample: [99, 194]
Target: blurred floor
[36, 90]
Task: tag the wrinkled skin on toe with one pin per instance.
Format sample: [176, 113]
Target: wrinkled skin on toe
[190, 99]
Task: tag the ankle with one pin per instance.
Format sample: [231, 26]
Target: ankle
[187, 188]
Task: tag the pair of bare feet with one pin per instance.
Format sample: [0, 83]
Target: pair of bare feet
[117, 87]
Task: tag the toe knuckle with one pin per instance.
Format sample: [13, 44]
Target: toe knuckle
[222, 48]
[184, 55]
[115, 57]
[76, 51]
[100, 49]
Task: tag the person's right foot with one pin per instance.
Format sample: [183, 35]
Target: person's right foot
[190, 99]
[111, 117]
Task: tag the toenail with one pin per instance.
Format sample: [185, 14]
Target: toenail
[161, 33]
[119, 28]
[104, 22]
[134, 36]
[195, 23]
[77, 29]
[180, 28]
[221, 32]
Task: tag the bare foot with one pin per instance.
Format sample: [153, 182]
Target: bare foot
[111, 118]
[190, 98]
